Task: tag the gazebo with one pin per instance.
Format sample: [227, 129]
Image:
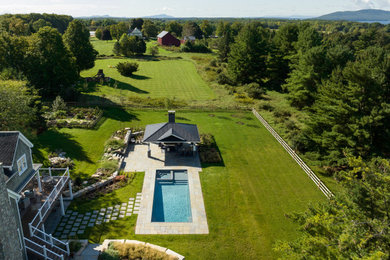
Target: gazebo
[172, 136]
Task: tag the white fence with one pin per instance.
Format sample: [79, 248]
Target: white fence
[300, 162]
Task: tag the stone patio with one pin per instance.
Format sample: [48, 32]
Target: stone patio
[75, 223]
[138, 160]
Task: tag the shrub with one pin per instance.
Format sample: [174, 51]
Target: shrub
[127, 68]
[136, 251]
[266, 106]
[207, 140]
[108, 167]
[198, 47]
[213, 63]
[114, 144]
[153, 50]
[254, 90]
[74, 246]
[282, 113]
[223, 79]
[58, 104]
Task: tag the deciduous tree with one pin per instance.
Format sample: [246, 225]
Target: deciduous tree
[76, 39]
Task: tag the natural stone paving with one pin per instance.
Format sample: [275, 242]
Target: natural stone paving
[73, 223]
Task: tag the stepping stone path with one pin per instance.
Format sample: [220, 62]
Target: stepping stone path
[74, 223]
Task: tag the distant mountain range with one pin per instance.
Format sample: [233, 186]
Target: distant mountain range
[362, 15]
[158, 16]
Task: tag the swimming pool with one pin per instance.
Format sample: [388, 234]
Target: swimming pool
[171, 201]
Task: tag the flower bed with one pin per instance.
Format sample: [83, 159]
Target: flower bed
[134, 249]
[208, 149]
[74, 117]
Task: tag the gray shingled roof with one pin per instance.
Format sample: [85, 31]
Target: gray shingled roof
[171, 132]
[162, 34]
[8, 142]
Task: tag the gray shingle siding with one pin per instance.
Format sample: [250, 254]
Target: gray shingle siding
[8, 141]
[16, 180]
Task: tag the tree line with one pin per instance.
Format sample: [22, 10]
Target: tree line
[340, 79]
[44, 64]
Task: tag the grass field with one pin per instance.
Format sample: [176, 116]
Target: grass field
[245, 198]
[103, 47]
[175, 78]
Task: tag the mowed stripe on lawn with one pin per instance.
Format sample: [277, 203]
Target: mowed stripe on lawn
[246, 199]
[164, 78]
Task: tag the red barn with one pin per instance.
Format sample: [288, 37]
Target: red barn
[167, 39]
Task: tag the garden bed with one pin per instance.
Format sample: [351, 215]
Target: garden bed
[208, 149]
[134, 249]
[74, 117]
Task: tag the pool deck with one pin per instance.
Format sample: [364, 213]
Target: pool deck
[137, 160]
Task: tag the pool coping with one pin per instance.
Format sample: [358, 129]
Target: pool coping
[199, 220]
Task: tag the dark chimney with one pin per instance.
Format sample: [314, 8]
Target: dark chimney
[171, 116]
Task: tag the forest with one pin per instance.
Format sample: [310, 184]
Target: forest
[337, 73]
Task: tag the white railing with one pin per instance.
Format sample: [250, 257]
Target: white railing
[38, 249]
[44, 210]
[52, 241]
[293, 154]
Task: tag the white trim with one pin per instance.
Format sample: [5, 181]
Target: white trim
[25, 140]
[16, 148]
[13, 195]
[23, 157]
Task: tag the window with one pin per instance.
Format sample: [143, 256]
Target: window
[22, 164]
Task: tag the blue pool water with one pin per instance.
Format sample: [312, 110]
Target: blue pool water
[171, 201]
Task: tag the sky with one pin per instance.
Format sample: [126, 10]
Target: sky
[190, 8]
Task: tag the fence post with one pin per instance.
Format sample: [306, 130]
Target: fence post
[30, 228]
[67, 248]
[51, 239]
[44, 252]
[50, 171]
[40, 215]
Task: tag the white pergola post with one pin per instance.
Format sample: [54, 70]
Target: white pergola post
[39, 181]
[62, 205]
[70, 189]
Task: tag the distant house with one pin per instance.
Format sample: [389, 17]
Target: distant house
[167, 39]
[136, 32]
[188, 38]
[28, 195]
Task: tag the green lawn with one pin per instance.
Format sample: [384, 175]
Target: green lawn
[157, 79]
[117, 197]
[103, 47]
[245, 198]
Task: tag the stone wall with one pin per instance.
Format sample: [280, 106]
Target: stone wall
[10, 246]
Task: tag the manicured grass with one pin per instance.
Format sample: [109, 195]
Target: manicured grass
[111, 199]
[246, 198]
[103, 47]
[175, 78]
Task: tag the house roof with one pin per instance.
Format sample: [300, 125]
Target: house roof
[8, 143]
[162, 34]
[171, 132]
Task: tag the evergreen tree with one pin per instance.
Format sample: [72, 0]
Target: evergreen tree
[224, 42]
[354, 224]
[247, 58]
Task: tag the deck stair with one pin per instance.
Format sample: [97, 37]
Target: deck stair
[38, 242]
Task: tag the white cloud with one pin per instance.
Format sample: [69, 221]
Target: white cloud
[369, 4]
[165, 9]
